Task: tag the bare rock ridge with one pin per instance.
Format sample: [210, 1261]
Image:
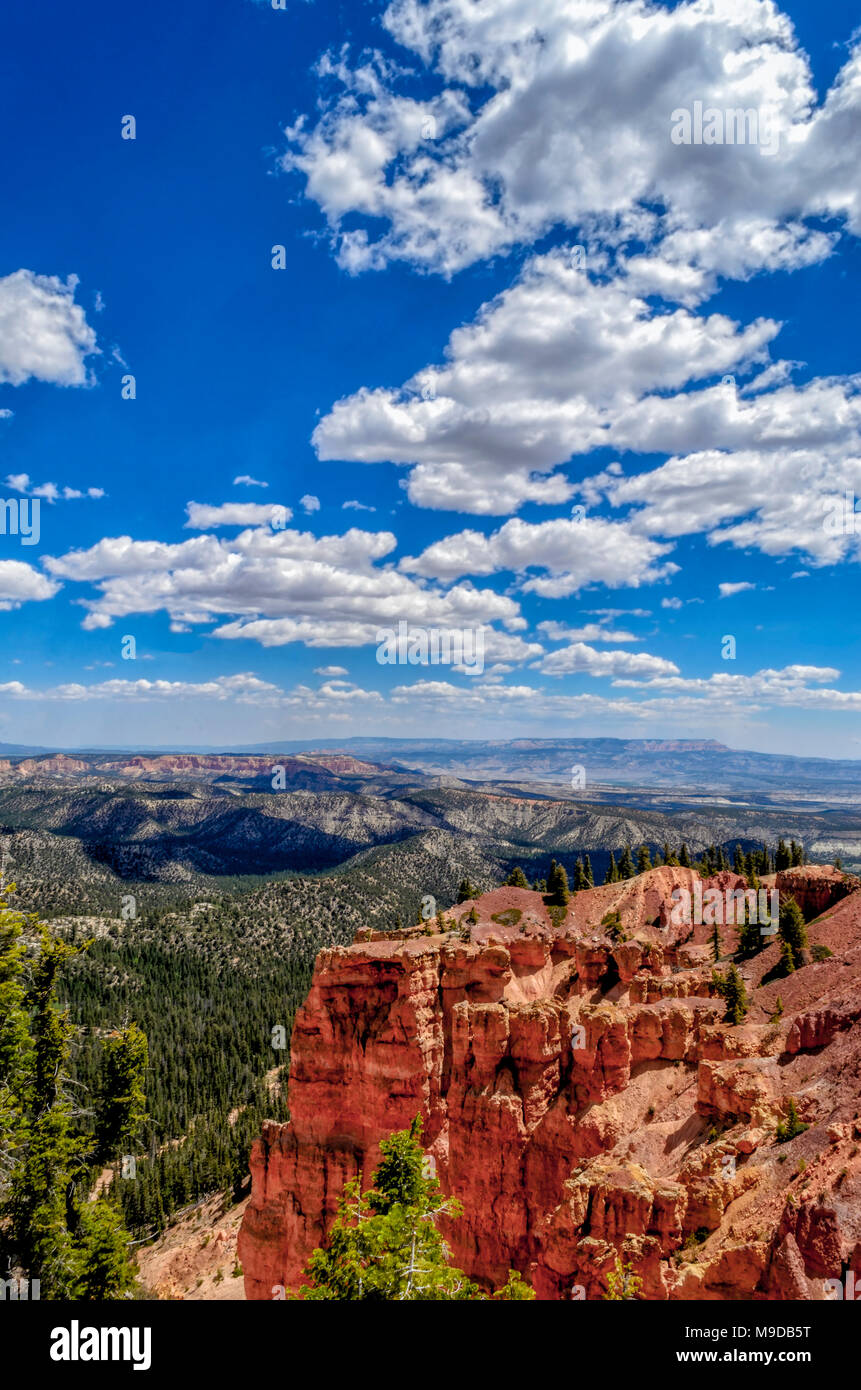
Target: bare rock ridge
[582, 1096]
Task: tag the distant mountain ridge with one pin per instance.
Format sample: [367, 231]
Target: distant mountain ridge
[625, 762]
[702, 764]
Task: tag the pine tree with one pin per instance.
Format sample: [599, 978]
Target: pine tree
[685, 858]
[735, 996]
[790, 1127]
[750, 940]
[793, 932]
[587, 873]
[558, 892]
[626, 864]
[731, 988]
[384, 1244]
[466, 891]
[787, 959]
[517, 879]
[612, 874]
[579, 881]
[783, 857]
[738, 859]
[717, 945]
[623, 1285]
[121, 1108]
[643, 860]
[75, 1248]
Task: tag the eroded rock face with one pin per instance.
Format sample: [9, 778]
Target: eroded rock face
[583, 1098]
[815, 887]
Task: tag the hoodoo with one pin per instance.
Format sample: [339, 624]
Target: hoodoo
[584, 1096]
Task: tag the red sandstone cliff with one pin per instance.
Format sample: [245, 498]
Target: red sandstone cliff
[652, 1137]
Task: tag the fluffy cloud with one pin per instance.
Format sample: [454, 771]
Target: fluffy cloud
[590, 632]
[202, 517]
[561, 116]
[578, 657]
[244, 687]
[574, 555]
[558, 364]
[791, 492]
[276, 586]
[21, 583]
[21, 482]
[689, 702]
[43, 332]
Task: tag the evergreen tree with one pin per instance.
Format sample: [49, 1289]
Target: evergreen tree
[738, 859]
[74, 1247]
[626, 864]
[717, 944]
[623, 1285]
[579, 877]
[121, 1108]
[783, 857]
[643, 860]
[793, 932]
[587, 873]
[612, 874]
[731, 987]
[466, 891]
[685, 858]
[557, 886]
[790, 1127]
[787, 959]
[385, 1245]
[517, 879]
[750, 940]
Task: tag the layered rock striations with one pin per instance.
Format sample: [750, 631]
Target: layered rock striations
[583, 1097]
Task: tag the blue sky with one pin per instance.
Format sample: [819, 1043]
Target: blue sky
[435, 356]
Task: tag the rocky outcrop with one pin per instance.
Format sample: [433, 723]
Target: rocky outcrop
[582, 1097]
[815, 887]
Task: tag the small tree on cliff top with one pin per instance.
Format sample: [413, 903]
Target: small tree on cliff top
[558, 891]
[384, 1245]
